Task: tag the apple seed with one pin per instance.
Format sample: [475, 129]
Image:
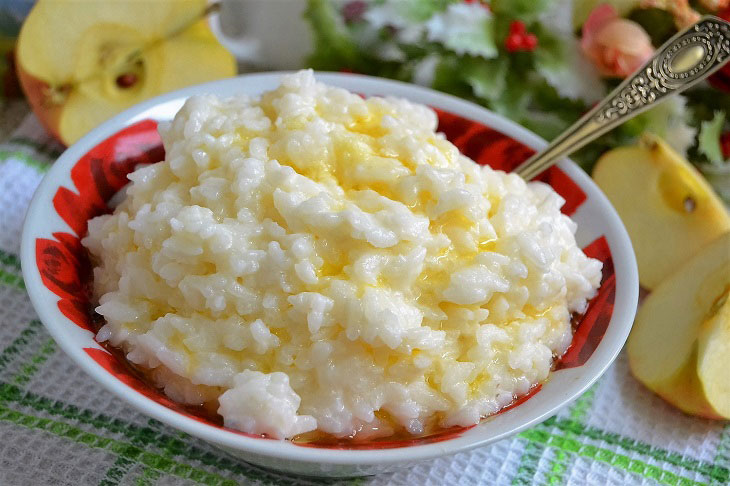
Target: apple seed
[126, 80]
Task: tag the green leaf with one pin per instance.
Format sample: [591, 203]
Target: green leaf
[704, 101]
[486, 77]
[526, 10]
[464, 29]
[559, 61]
[420, 10]
[669, 120]
[333, 47]
[516, 96]
[547, 99]
[709, 139]
[547, 125]
[448, 77]
[478, 42]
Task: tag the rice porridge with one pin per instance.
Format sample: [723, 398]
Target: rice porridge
[312, 260]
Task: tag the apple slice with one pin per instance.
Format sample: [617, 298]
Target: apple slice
[679, 346]
[669, 210]
[714, 357]
[80, 62]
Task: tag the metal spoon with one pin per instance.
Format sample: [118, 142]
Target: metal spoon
[684, 60]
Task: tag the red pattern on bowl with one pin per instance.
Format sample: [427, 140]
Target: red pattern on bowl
[65, 269]
[589, 328]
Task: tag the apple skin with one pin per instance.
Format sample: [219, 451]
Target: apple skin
[35, 92]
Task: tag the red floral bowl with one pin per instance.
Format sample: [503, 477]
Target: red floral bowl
[80, 184]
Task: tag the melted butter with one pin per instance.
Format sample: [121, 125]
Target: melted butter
[487, 245]
[431, 381]
[370, 124]
[280, 332]
[450, 219]
[333, 268]
[530, 311]
[476, 384]
[176, 343]
[433, 277]
[423, 199]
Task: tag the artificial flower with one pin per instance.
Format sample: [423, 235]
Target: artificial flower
[715, 5]
[616, 46]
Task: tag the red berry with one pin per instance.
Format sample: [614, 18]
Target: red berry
[480, 2]
[517, 27]
[530, 42]
[353, 11]
[721, 79]
[513, 42]
[725, 144]
[519, 39]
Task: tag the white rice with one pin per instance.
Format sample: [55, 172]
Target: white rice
[314, 260]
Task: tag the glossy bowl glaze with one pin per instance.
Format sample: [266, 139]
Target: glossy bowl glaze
[79, 185]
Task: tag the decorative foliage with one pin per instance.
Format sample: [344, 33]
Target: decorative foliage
[709, 139]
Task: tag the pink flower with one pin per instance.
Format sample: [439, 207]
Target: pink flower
[617, 46]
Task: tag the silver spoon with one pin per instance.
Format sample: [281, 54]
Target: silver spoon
[684, 60]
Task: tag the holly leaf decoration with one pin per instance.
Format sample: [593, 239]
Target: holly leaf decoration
[562, 64]
[334, 49]
[709, 139]
[419, 10]
[527, 10]
[464, 28]
[487, 77]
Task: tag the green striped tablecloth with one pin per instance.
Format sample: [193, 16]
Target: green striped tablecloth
[58, 427]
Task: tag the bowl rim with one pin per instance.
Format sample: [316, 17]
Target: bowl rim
[626, 299]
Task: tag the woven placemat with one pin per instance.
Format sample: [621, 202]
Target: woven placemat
[58, 427]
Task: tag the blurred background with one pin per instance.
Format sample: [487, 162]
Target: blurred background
[541, 63]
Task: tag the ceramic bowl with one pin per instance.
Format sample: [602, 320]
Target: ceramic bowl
[88, 174]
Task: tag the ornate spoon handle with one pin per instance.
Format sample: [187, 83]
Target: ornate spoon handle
[684, 60]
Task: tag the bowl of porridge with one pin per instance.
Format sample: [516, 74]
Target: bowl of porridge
[328, 274]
